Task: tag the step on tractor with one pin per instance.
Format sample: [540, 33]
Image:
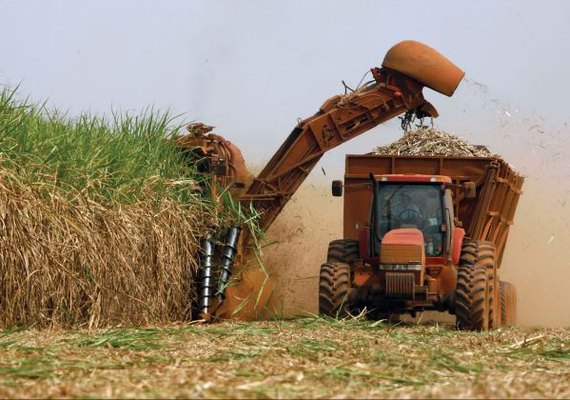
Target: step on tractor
[396, 89]
[423, 233]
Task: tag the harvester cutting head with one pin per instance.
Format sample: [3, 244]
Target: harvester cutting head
[215, 155]
[425, 65]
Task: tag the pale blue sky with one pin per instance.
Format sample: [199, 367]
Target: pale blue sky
[251, 68]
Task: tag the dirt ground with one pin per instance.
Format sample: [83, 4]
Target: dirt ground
[534, 258]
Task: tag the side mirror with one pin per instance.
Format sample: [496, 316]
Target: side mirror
[336, 188]
[469, 190]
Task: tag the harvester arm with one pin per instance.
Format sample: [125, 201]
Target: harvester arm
[397, 88]
[342, 118]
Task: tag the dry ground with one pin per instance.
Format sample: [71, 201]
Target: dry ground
[298, 358]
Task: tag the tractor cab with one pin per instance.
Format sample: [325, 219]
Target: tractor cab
[419, 202]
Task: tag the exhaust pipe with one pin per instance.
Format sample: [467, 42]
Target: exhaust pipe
[230, 250]
[206, 282]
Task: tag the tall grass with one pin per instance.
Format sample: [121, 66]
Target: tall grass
[114, 158]
[100, 218]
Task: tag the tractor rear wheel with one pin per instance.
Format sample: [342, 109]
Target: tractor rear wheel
[474, 305]
[335, 279]
[343, 251]
[508, 301]
[334, 289]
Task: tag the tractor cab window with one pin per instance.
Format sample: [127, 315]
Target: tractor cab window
[410, 205]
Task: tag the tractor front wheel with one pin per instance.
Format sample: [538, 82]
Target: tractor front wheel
[334, 289]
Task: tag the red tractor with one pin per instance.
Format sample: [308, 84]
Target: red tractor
[423, 233]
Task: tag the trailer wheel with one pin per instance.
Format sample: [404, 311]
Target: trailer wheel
[508, 300]
[494, 301]
[334, 289]
[472, 297]
[343, 251]
[486, 257]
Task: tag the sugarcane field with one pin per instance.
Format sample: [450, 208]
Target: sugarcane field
[301, 200]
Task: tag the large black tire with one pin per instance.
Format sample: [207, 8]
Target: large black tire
[494, 301]
[334, 288]
[487, 255]
[343, 251]
[473, 301]
[335, 280]
[508, 301]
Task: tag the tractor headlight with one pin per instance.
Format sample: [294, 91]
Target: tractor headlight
[400, 267]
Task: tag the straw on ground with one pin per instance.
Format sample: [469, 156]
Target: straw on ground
[303, 358]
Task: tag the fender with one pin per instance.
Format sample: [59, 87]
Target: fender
[458, 235]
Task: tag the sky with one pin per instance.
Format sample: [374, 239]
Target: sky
[252, 68]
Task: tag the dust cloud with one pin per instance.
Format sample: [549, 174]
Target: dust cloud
[535, 256]
[535, 259]
[298, 243]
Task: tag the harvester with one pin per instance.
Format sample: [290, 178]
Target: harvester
[396, 89]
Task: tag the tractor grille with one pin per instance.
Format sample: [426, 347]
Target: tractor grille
[400, 284]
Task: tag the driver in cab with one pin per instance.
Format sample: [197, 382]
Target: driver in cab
[406, 211]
